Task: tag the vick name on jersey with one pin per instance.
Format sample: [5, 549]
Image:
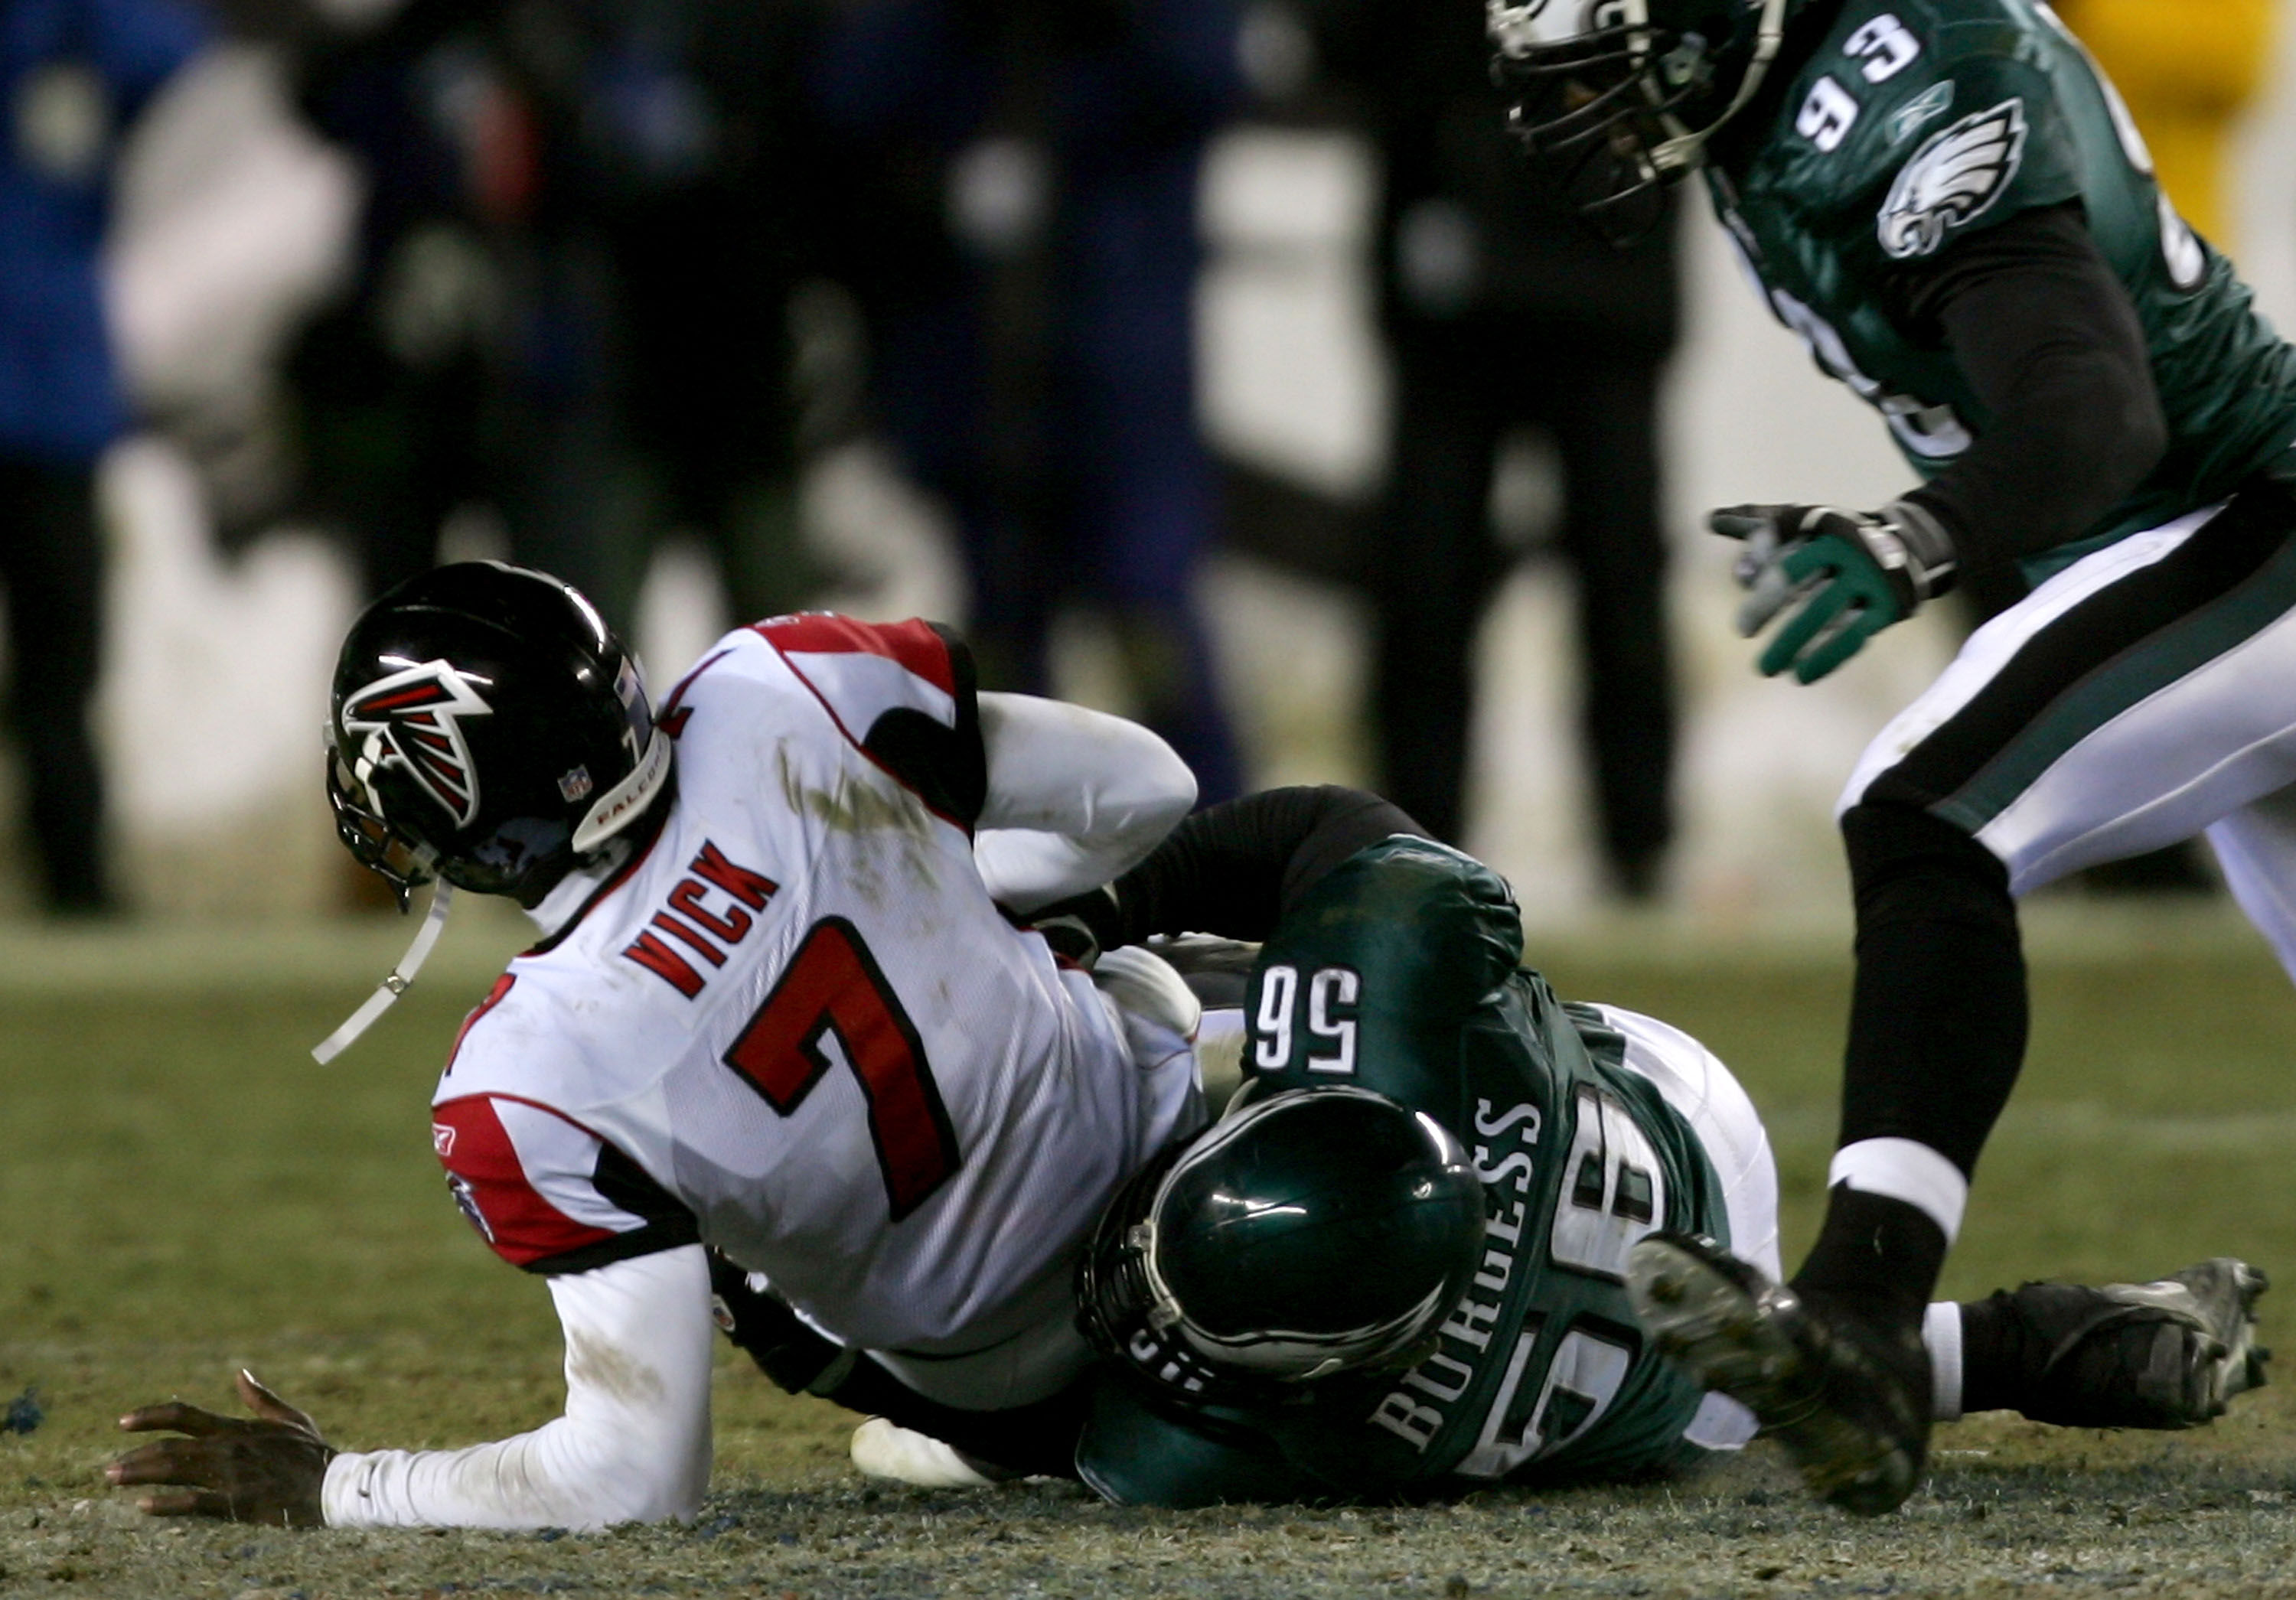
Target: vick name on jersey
[795, 1027]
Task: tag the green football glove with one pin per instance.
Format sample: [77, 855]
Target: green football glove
[1850, 574]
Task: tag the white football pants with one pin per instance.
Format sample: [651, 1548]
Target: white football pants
[2145, 694]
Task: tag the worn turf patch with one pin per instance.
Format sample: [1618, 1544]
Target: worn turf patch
[186, 1193]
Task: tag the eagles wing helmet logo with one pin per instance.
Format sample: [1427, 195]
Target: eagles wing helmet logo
[1953, 179]
[413, 720]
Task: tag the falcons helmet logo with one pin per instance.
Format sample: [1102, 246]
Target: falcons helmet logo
[413, 720]
[1955, 177]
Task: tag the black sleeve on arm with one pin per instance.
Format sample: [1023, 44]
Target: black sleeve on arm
[1038, 1438]
[1234, 869]
[2051, 343]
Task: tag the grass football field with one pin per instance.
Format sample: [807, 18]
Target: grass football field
[182, 1190]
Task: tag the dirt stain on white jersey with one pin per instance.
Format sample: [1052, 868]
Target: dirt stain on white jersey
[859, 808]
[592, 1361]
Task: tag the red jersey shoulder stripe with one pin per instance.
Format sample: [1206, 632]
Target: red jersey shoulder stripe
[490, 1185]
[912, 643]
[911, 646]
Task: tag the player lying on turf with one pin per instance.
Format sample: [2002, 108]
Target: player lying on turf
[1396, 1267]
[776, 1009]
[1951, 205]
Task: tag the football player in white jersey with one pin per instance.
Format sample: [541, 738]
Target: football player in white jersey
[781, 1008]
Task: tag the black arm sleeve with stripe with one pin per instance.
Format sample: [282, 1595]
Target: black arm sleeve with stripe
[622, 1183]
[2051, 342]
[1235, 869]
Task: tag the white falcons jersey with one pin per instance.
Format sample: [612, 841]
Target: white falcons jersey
[796, 1028]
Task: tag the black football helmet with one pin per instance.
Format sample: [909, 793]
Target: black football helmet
[1621, 96]
[487, 728]
[1309, 1233]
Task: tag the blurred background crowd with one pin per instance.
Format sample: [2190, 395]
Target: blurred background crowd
[1216, 361]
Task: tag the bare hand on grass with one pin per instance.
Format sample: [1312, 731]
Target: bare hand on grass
[268, 1469]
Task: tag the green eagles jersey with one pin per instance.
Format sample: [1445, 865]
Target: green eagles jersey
[1398, 972]
[1918, 121]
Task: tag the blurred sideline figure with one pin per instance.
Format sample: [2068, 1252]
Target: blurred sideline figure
[699, 127]
[73, 73]
[584, 226]
[1502, 309]
[1393, 1269]
[822, 833]
[470, 363]
[1020, 199]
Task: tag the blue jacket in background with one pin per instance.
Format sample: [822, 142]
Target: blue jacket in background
[73, 73]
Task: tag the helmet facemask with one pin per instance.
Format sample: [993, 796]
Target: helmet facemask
[403, 862]
[1118, 1308]
[1620, 104]
[489, 733]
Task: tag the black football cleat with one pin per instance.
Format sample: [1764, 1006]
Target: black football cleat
[1851, 1410]
[2160, 1355]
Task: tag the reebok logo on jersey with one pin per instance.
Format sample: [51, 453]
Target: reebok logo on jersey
[442, 1140]
[413, 720]
[1953, 179]
[1932, 102]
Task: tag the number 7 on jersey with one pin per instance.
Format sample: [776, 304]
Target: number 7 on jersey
[833, 986]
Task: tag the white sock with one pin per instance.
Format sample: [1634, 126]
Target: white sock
[1907, 1172]
[1942, 1333]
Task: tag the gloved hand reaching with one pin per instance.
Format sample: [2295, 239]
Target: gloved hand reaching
[1850, 573]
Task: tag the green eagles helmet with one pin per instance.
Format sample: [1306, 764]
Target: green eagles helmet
[1315, 1232]
[1621, 96]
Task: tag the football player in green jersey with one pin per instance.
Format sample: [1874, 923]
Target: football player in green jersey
[1951, 205]
[1396, 1267]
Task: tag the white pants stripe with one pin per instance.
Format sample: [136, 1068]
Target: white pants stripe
[1991, 647]
[2212, 751]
